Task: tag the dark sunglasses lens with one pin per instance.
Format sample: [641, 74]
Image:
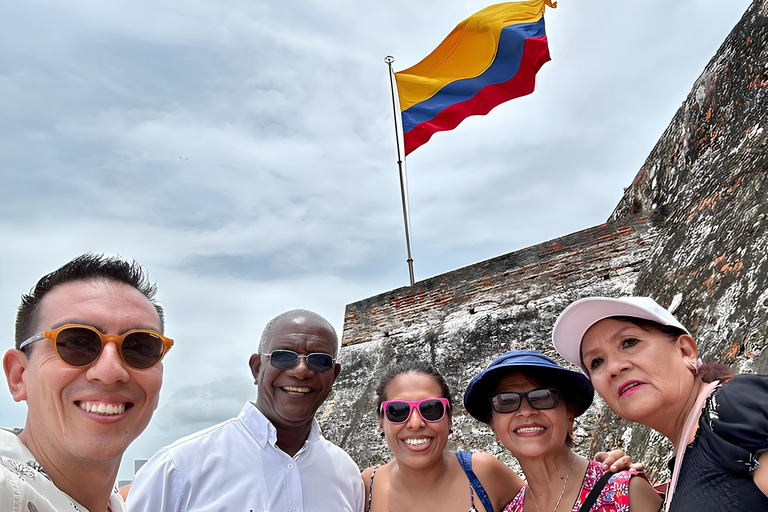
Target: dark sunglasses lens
[432, 410]
[506, 402]
[142, 350]
[283, 359]
[77, 346]
[543, 398]
[397, 412]
[320, 362]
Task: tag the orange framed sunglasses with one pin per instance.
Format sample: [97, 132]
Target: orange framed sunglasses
[80, 345]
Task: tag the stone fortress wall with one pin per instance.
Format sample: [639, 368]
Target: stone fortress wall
[691, 231]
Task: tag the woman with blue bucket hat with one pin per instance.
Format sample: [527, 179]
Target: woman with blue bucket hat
[530, 402]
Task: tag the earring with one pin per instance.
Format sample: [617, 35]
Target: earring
[450, 431]
[694, 366]
[381, 434]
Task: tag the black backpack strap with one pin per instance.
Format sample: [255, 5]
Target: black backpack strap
[595, 492]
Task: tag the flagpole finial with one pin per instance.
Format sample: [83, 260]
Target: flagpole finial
[389, 59]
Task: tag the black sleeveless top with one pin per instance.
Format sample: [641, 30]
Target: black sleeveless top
[717, 469]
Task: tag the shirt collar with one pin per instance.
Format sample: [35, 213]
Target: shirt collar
[263, 431]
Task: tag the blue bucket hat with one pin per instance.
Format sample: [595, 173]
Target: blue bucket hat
[575, 388]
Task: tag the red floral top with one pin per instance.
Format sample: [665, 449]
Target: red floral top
[613, 498]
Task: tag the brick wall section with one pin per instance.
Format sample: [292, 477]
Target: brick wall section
[460, 321]
[446, 300]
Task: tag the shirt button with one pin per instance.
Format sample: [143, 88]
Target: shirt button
[290, 466]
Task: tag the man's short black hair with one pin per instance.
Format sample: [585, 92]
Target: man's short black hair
[87, 267]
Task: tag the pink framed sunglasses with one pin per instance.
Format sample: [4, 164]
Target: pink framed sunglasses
[431, 410]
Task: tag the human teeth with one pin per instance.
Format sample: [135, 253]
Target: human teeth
[529, 430]
[417, 442]
[102, 408]
[629, 387]
[291, 390]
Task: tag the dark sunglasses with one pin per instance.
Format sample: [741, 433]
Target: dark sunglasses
[431, 410]
[81, 345]
[287, 359]
[544, 398]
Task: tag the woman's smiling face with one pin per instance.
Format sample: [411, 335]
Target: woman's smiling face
[529, 432]
[415, 442]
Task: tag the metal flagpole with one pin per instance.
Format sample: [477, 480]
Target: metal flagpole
[401, 163]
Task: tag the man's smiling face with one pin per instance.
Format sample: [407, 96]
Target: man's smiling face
[70, 418]
[289, 398]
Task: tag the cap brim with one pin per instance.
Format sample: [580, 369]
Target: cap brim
[577, 318]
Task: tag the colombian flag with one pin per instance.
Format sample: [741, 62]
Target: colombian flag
[489, 58]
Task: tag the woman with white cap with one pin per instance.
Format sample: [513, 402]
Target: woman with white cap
[530, 403]
[644, 363]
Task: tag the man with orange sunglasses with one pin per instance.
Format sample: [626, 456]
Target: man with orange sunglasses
[87, 361]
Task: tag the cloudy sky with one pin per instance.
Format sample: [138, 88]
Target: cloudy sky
[243, 151]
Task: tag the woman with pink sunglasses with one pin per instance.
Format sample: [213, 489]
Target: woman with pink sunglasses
[414, 407]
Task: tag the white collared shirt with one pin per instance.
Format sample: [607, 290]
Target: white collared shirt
[26, 487]
[237, 466]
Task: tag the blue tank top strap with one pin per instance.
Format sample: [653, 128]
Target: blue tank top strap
[465, 459]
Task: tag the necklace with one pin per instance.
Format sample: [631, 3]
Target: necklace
[565, 484]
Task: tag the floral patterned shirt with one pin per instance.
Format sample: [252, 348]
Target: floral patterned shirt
[613, 498]
[26, 487]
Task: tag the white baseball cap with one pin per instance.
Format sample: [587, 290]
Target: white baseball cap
[577, 318]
